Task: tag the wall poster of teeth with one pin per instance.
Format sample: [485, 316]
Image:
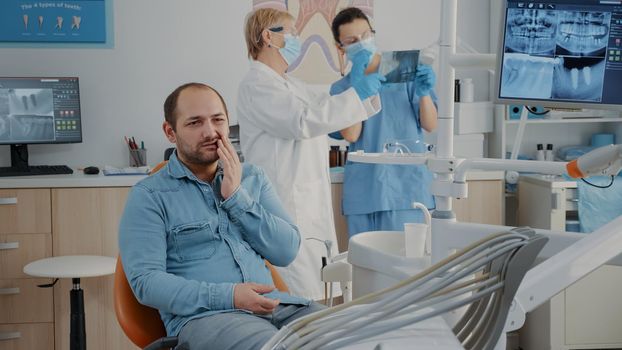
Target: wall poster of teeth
[555, 54]
[84, 22]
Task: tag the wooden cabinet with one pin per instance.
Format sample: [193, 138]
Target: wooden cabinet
[22, 301]
[25, 235]
[44, 222]
[31, 336]
[25, 211]
[586, 315]
[484, 205]
[86, 222]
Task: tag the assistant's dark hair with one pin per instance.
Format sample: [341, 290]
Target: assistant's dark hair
[345, 16]
[170, 104]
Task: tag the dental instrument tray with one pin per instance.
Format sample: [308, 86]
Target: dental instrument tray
[388, 158]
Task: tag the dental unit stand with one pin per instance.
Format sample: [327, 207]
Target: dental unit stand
[570, 256]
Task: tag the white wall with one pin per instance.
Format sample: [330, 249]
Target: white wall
[160, 44]
[474, 29]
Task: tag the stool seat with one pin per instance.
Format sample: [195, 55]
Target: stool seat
[72, 266]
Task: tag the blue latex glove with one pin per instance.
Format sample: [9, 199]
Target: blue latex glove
[424, 80]
[364, 85]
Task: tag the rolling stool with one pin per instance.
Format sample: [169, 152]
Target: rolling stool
[74, 267]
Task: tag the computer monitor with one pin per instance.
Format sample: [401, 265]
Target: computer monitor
[561, 53]
[38, 110]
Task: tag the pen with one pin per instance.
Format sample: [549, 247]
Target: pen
[132, 146]
[134, 142]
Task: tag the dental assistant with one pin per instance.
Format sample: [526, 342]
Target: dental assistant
[283, 128]
[379, 197]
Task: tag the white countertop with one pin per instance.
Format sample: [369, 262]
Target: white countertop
[77, 179]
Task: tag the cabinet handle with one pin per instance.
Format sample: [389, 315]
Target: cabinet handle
[9, 245]
[9, 291]
[10, 335]
[8, 201]
[555, 201]
[575, 200]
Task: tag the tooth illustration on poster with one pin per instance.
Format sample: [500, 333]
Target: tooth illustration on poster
[59, 23]
[75, 22]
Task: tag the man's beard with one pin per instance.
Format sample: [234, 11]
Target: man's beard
[195, 155]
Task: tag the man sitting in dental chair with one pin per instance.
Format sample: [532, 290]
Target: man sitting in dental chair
[194, 236]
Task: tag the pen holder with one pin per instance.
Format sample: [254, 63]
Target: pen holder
[138, 157]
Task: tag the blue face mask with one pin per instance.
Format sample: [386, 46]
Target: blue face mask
[368, 44]
[291, 50]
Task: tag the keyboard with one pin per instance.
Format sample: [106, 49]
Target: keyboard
[36, 170]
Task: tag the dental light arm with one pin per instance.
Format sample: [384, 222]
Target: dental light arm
[606, 160]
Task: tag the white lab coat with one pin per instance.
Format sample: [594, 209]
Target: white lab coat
[283, 129]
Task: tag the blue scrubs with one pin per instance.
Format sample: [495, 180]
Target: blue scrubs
[380, 196]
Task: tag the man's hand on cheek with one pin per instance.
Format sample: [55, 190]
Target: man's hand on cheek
[232, 168]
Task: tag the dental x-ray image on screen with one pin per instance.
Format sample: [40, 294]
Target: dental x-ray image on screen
[527, 76]
[531, 31]
[26, 114]
[557, 52]
[582, 33]
[579, 78]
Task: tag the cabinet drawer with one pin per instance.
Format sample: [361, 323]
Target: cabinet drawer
[18, 250]
[21, 301]
[572, 204]
[572, 199]
[572, 193]
[31, 336]
[25, 211]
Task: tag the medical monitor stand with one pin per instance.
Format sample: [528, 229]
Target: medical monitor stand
[19, 156]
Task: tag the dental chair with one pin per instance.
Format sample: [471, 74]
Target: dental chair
[142, 324]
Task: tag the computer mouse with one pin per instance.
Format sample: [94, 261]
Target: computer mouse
[91, 170]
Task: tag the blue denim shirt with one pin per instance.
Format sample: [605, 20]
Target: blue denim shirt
[183, 248]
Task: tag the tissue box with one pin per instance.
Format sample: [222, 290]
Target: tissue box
[473, 117]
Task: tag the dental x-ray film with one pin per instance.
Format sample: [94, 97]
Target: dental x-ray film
[562, 51]
[399, 66]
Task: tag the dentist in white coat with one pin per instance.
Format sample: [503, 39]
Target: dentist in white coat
[283, 128]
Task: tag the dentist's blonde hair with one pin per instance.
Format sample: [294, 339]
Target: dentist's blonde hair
[258, 21]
